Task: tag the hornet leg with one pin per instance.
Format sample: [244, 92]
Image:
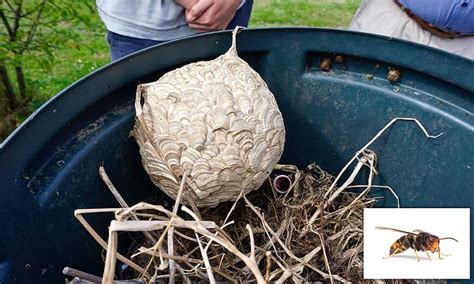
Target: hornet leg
[417, 257]
[429, 257]
[442, 254]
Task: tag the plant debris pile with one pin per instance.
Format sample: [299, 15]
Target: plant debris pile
[263, 236]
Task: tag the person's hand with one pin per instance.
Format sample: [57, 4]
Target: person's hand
[211, 15]
[187, 4]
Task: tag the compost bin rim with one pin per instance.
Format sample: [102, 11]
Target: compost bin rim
[449, 76]
[65, 168]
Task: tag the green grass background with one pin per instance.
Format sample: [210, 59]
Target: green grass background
[91, 51]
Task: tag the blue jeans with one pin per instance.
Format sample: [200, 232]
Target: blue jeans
[121, 45]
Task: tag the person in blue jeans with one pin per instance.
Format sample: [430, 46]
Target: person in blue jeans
[135, 25]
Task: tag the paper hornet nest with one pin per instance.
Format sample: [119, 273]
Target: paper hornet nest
[215, 121]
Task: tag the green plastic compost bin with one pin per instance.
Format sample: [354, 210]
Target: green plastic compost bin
[48, 166]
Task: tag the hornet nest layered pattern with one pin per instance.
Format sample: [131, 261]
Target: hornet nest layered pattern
[215, 121]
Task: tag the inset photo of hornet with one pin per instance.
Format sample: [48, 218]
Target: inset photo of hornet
[417, 240]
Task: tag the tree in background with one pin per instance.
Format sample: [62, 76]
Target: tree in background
[32, 27]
